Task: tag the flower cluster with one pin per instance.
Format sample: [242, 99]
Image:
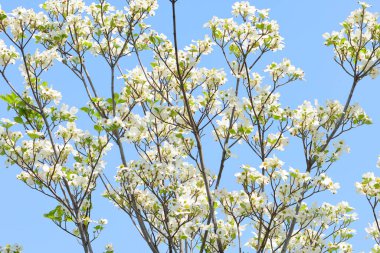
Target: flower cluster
[256, 31]
[279, 70]
[169, 194]
[159, 117]
[369, 187]
[20, 22]
[8, 55]
[314, 123]
[356, 45]
[63, 7]
[15, 248]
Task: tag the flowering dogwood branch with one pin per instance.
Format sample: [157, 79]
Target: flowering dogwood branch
[166, 113]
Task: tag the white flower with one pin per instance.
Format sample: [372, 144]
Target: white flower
[364, 4]
[109, 247]
[8, 55]
[103, 221]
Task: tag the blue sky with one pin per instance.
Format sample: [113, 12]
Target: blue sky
[302, 24]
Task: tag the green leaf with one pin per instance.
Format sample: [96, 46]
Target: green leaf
[18, 119]
[34, 135]
[179, 135]
[98, 128]
[98, 228]
[3, 16]
[232, 131]
[9, 98]
[56, 214]
[85, 109]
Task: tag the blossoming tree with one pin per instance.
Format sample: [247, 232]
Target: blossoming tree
[166, 113]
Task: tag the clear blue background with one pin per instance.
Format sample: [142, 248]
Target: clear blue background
[302, 23]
